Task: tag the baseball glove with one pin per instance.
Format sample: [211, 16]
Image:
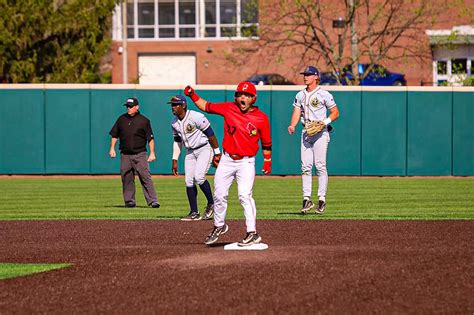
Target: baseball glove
[313, 127]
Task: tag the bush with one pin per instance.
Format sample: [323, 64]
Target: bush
[469, 81]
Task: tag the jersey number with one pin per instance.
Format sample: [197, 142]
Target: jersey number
[231, 130]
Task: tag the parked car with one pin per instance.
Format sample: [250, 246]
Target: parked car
[378, 75]
[269, 79]
[328, 78]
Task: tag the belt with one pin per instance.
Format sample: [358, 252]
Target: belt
[131, 153]
[236, 157]
[199, 146]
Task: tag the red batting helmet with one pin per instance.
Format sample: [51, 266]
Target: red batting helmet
[246, 87]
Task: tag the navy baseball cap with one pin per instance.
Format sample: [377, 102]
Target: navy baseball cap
[178, 100]
[310, 70]
[131, 102]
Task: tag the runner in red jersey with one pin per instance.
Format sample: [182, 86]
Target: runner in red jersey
[244, 125]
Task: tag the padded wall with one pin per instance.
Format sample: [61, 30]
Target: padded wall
[395, 132]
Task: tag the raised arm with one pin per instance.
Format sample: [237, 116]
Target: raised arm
[200, 102]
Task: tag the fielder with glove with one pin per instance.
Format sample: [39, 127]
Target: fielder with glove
[311, 106]
[193, 131]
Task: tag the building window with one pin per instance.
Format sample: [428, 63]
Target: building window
[146, 13]
[210, 18]
[452, 71]
[166, 12]
[163, 19]
[453, 55]
[459, 66]
[442, 67]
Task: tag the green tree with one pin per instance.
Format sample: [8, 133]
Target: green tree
[54, 41]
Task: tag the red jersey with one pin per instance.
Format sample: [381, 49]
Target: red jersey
[242, 130]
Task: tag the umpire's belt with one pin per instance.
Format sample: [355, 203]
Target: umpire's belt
[235, 157]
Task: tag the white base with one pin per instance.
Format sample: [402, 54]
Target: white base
[235, 246]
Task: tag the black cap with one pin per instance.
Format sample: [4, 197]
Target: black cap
[310, 70]
[131, 102]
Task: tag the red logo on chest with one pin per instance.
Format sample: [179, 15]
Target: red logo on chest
[251, 129]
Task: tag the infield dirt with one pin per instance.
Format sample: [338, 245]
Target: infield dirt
[156, 266]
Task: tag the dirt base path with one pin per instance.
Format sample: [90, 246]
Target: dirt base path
[126, 267]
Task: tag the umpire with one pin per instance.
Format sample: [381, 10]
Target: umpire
[134, 131]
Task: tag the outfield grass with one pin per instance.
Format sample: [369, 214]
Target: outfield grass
[15, 270]
[276, 198]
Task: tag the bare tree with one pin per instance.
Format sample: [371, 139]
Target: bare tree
[343, 32]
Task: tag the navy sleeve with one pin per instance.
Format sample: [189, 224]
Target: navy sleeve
[209, 132]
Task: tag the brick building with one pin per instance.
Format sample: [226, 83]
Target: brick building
[167, 44]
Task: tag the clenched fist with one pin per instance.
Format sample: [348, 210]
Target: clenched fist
[267, 166]
[216, 159]
[188, 91]
[267, 163]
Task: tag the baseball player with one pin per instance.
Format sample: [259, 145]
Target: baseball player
[193, 131]
[310, 106]
[244, 126]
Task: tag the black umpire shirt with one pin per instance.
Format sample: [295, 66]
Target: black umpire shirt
[133, 131]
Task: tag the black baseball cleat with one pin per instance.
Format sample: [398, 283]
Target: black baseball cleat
[155, 205]
[130, 205]
[216, 232]
[321, 207]
[250, 239]
[208, 212]
[192, 216]
[307, 205]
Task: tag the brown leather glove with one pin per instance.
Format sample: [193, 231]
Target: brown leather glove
[314, 127]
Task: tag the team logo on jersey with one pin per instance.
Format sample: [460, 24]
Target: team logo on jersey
[315, 102]
[251, 129]
[189, 128]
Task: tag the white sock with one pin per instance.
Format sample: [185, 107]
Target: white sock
[306, 198]
[322, 198]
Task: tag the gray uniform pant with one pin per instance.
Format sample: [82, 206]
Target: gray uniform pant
[197, 164]
[136, 164]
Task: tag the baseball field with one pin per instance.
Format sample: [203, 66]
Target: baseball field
[385, 244]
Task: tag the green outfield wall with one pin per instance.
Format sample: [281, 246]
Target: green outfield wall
[399, 131]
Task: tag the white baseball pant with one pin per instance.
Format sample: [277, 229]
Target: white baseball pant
[244, 172]
[314, 152]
